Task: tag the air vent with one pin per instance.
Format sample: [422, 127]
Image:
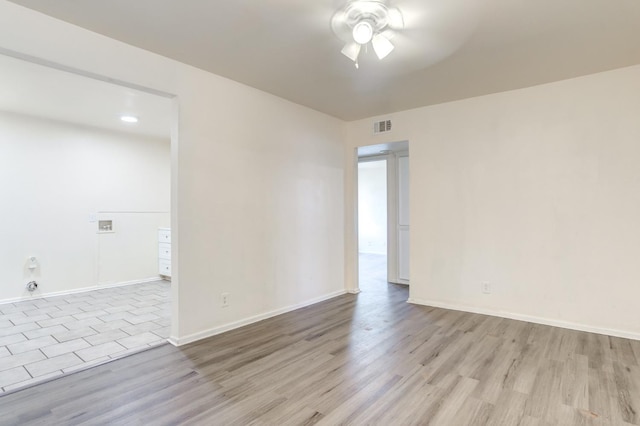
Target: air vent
[383, 126]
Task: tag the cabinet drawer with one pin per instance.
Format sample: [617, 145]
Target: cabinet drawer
[164, 236]
[164, 267]
[164, 251]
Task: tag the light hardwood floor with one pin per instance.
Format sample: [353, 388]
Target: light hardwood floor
[356, 359]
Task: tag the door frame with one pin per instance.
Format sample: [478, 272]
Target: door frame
[393, 213]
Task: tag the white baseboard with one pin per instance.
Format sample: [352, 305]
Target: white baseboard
[527, 318]
[77, 290]
[353, 291]
[190, 338]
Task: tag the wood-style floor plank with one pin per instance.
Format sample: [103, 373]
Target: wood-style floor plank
[356, 359]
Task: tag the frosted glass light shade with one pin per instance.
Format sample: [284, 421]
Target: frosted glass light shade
[362, 32]
[351, 51]
[382, 46]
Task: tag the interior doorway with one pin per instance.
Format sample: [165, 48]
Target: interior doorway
[372, 220]
[383, 215]
[86, 193]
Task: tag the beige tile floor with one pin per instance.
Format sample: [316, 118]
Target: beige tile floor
[44, 338]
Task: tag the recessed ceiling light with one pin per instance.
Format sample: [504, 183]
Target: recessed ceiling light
[129, 118]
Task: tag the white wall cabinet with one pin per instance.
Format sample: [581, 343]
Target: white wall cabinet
[164, 252]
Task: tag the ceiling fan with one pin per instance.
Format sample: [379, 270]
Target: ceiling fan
[362, 22]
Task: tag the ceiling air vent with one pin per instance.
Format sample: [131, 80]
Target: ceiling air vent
[383, 126]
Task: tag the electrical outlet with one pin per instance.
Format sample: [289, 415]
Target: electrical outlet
[225, 299]
[486, 287]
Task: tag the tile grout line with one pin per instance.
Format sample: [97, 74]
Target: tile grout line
[153, 298]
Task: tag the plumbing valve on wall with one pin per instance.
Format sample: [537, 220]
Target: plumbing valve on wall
[33, 263]
[32, 266]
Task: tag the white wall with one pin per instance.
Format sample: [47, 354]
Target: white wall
[258, 188]
[54, 175]
[536, 191]
[260, 203]
[372, 207]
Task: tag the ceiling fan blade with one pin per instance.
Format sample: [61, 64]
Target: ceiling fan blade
[381, 45]
[351, 51]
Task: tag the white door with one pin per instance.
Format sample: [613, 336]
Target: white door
[403, 218]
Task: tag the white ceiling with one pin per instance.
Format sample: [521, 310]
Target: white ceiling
[450, 49]
[37, 90]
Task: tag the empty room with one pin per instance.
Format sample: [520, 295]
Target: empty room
[87, 198]
[510, 137]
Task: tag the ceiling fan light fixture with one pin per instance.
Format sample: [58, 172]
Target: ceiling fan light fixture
[351, 51]
[382, 46]
[361, 22]
[362, 32]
